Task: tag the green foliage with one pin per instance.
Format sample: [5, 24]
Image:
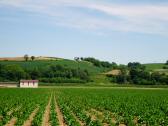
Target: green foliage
[26, 57]
[139, 75]
[50, 74]
[99, 63]
[154, 66]
[165, 67]
[53, 114]
[94, 61]
[12, 72]
[136, 65]
[21, 103]
[57, 71]
[121, 105]
[34, 73]
[67, 63]
[167, 62]
[62, 80]
[33, 58]
[112, 106]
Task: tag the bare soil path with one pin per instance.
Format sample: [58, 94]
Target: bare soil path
[59, 114]
[112, 119]
[12, 122]
[122, 125]
[93, 117]
[31, 117]
[102, 116]
[1, 117]
[46, 116]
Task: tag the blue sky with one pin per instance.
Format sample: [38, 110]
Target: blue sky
[113, 30]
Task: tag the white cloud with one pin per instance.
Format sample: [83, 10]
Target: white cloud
[114, 17]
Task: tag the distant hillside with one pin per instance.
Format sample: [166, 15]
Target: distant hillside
[59, 70]
[157, 67]
[22, 58]
[43, 62]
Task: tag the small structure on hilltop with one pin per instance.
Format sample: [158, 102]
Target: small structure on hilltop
[28, 84]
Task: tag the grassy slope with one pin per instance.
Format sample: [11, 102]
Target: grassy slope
[154, 66]
[68, 63]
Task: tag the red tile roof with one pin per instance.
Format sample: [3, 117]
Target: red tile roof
[29, 81]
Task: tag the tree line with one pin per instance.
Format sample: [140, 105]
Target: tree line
[132, 73]
[49, 74]
[97, 62]
[136, 73]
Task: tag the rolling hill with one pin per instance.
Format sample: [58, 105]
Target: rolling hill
[22, 58]
[41, 62]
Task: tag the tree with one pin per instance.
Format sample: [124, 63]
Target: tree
[136, 65]
[94, 61]
[14, 72]
[35, 73]
[81, 58]
[105, 64]
[167, 62]
[26, 57]
[77, 59]
[32, 58]
[114, 65]
[2, 72]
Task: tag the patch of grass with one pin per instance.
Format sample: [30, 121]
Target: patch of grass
[100, 79]
[154, 66]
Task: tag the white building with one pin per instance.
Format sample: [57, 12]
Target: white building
[28, 84]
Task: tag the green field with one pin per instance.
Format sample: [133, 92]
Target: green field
[84, 106]
[154, 66]
[157, 67]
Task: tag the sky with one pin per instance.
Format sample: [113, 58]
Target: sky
[119, 31]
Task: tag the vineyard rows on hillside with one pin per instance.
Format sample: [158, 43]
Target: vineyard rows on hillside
[83, 107]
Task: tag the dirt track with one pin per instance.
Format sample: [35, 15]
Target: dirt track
[31, 117]
[46, 116]
[59, 114]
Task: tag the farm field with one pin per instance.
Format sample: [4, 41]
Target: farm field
[84, 106]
